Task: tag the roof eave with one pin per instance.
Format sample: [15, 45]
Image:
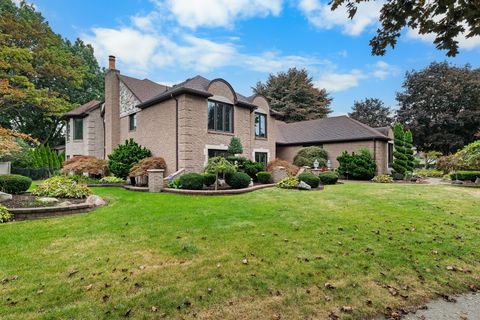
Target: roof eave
[174, 93]
[333, 141]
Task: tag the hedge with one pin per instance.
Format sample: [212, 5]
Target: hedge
[191, 181]
[465, 175]
[209, 179]
[264, 177]
[310, 179]
[239, 180]
[14, 183]
[328, 177]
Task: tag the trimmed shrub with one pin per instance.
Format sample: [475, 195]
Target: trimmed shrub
[252, 168]
[238, 180]
[465, 175]
[235, 146]
[175, 184]
[430, 173]
[14, 183]
[328, 177]
[125, 156]
[140, 169]
[264, 177]
[209, 179]
[383, 178]
[359, 165]
[238, 161]
[5, 215]
[307, 156]
[310, 179]
[85, 164]
[291, 169]
[288, 183]
[111, 179]
[62, 187]
[191, 181]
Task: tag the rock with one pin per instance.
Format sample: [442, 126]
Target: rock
[65, 204]
[303, 186]
[477, 181]
[95, 200]
[47, 200]
[5, 196]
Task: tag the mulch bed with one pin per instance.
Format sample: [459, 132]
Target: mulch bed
[28, 200]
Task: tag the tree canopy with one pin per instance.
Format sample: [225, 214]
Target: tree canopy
[441, 106]
[42, 75]
[445, 20]
[294, 95]
[372, 112]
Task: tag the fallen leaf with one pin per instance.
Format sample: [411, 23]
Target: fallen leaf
[347, 309]
[154, 309]
[330, 286]
[245, 261]
[89, 287]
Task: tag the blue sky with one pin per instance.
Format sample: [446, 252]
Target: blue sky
[243, 41]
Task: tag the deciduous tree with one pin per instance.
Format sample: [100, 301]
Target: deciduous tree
[372, 112]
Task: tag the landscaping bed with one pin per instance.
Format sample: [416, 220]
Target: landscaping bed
[28, 200]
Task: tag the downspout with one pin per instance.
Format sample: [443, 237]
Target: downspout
[176, 132]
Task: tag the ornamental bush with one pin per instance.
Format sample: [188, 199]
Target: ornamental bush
[239, 180]
[5, 215]
[191, 181]
[307, 156]
[328, 177]
[124, 156]
[252, 168]
[310, 179]
[111, 179]
[14, 183]
[291, 169]
[209, 179]
[62, 187]
[383, 178]
[288, 183]
[85, 164]
[140, 169]
[264, 177]
[469, 156]
[465, 175]
[359, 165]
[432, 173]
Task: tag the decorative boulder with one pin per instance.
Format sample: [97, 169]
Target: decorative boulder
[5, 196]
[95, 200]
[47, 200]
[477, 181]
[302, 185]
[279, 173]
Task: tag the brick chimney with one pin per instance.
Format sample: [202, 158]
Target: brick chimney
[111, 62]
[112, 107]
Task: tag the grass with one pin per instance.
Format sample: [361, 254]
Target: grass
[390, 244]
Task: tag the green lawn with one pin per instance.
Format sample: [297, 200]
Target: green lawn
[183, 255]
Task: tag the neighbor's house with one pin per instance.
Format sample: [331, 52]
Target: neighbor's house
[194, 120]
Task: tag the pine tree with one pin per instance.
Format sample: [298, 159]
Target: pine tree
[400, 159]
[235, 146]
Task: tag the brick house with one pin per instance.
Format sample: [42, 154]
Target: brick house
[194, 120]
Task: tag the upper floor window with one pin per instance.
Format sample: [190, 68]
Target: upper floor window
[78, 129]
[132, 121]
[260, 125]
[220, 116]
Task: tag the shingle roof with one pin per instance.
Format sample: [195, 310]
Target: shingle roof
[84, 109]
[332, 129]
[197, 85]
[143, 89]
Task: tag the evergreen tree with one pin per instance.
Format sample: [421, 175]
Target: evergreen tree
[235, 146]
[400, 159]
[409, 151]
[294, 95]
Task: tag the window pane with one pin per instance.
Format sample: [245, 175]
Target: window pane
[219, 122]
[257, 124]
[261, 157]
[260, 125]
[211, 115]
[133, 121]
[228, 118]
[78, 129]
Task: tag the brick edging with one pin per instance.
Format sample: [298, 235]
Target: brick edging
[217, 192]
[43, 212]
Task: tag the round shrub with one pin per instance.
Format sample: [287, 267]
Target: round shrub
[382, 178]
[191, 181]
[14, 183]
[264, 177]
[62, 187]
[239, 180]
[124, 156]
[328, 177]
[252, 168]
[208, 179]
[310, 179]
[85, 164]
[140, 169]
[307, 156]
[5, 216]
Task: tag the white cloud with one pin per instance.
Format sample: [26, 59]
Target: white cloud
[463, 42]
[382, 70]
[335, 82]
[219, 13]
[319, 14]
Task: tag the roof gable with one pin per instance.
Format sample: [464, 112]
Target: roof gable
[143, 89]
[84, 109]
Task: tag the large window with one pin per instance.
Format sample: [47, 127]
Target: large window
[78, 129]
[390, 154]
[220, 116]
[132, 121]
[261, 157]
[217, 153]
[260, 125]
